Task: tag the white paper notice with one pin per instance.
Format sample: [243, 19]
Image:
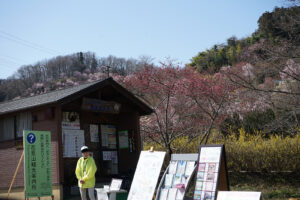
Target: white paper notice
[107, 155]
[172, 193]
[238, 195]
[146, 175]
[115, 184]
[177, 179]
[172, 167]
[210, 154]
[168, 180]
[73, 140]
[94, 133]
[108, 135]
[181, 167]
[180, 195]
[163, 194]
[190, 166]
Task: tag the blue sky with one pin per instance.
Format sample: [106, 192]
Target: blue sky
[34, 30]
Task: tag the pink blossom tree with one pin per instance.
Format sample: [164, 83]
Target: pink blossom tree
[185, 103]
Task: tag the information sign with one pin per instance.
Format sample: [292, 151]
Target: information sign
[37, 162]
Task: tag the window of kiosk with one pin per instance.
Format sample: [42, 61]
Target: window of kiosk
[109, 149]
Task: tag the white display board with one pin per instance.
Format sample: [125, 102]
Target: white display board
[225, 195]
[208, 172]
[115, 184]
[146, 175]
[73, 140]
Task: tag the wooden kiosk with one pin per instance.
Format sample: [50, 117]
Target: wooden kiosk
[102, 115]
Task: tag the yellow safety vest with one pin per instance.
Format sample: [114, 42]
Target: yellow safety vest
[85, 170]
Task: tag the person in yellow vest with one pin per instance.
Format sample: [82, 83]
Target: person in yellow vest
[85, 173]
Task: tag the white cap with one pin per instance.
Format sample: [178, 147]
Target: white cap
[84, 148]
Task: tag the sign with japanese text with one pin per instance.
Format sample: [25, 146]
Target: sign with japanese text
[37, 162]
[97, 105]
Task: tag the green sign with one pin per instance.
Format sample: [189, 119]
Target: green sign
[38, 167]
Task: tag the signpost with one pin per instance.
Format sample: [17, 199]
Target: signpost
[37, 163]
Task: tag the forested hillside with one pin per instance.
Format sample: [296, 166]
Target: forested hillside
[280, 27]
[265, 66]
[65, 71]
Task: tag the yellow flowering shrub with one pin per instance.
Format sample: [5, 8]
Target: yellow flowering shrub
[252, 153]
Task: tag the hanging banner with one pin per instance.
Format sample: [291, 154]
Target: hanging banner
[37, 162]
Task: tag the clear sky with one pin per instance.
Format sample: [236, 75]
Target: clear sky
[34, 30]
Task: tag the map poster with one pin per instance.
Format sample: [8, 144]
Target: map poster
[146, 175]
[37, 163]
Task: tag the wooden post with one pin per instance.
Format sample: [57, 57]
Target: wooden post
[14, 177]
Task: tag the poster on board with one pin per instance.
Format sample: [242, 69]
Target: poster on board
[37, 163]
[146, 175]
[225, 195]
[108, 136]
[72, 141]
[94, 132]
